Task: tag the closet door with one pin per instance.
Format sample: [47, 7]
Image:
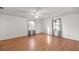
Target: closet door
[31, 27]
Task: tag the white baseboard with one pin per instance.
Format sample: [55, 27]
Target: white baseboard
[71, 37]
[10, 37]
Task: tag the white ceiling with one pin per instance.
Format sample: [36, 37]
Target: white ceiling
[45, 12]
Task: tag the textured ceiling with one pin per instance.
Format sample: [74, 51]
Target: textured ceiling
[44, 12]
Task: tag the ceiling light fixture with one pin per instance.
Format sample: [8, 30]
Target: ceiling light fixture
[37, 13]
[36, 16]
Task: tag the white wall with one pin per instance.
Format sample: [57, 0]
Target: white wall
[38, 26]
[13, 26]
[70, 24]
[47, 26]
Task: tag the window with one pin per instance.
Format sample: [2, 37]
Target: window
[31, 25]
[31, 29]
[56, 27]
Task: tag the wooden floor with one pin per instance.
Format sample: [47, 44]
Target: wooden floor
[40, 42]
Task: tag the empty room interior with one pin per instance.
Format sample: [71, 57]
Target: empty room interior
[39, 28]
